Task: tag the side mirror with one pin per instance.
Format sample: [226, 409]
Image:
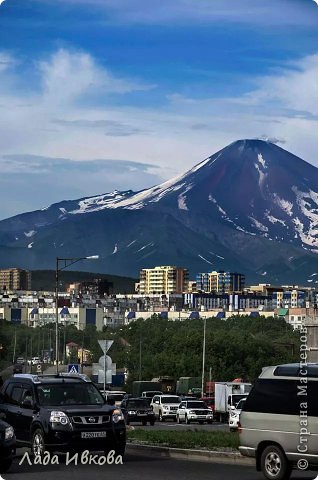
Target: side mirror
[232, 407]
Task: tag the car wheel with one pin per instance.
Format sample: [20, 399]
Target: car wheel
[144, 422]
[38, 443]
[187, 420]
[161, 419]
[152, 422]
[5, 465]
[274, 464]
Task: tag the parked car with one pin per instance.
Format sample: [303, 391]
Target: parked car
[7, 446]
[194, 411]
[57, 413]
[34, 361]
[20, 360]
[113, 397]
[279, 420]
[165, 406]
[235, 415]
[138, 410]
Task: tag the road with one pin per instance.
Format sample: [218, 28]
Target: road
[138, 466]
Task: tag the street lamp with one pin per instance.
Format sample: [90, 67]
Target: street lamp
[203, 357]
[66, 262]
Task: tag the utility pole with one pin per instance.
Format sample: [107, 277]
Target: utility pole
[203, 357]
[14, 344]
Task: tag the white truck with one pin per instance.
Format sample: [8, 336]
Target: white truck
[227, 395]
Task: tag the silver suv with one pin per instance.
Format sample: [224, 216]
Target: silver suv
[279, 420]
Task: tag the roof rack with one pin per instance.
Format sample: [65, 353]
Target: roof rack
[29, 376]
[64, 375]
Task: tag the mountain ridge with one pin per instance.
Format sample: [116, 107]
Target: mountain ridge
[250, 207]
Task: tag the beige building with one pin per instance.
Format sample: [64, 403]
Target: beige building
[12, 279]
[164, 280]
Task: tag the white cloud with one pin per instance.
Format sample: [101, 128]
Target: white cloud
[52, 120]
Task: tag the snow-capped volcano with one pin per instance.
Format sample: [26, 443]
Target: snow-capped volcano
[251, 207]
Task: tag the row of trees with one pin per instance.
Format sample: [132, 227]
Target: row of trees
[237, 347]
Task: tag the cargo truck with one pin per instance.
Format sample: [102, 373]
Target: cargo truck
[143, 385]
[188, 386]
[227, 395]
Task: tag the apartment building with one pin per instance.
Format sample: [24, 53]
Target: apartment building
[13, 279]
[164, 280]
[220, 282]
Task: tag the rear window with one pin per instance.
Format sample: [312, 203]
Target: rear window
[282, 397]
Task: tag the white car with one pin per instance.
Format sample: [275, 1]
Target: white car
[165, 406]
[34, 361]
[194, 411]
[234, 416]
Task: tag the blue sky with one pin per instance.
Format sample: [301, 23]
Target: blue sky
[97, 95]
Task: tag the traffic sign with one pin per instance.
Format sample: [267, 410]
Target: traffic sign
[73, 368]
[105, 345]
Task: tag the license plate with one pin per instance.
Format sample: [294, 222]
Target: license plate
[93, 434]
[142, 414]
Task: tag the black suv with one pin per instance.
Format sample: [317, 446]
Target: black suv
[61, 413]
[7, 446]
[138, 410]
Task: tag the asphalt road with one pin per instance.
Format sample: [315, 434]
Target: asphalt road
[137, 466]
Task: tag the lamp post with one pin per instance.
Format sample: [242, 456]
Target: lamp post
[65, 262]
[203, 357]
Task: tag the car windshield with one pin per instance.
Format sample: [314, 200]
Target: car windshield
[170, 400]
[137, 404]
[69, 394]
[196, 405]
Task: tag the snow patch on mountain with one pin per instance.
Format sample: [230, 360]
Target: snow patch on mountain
[182, 205]
[115, 249]
[131, 243]
[285, 205]
[273, 219]
[308, 204]
[203, 258]
[151, 244]
[30, 245]
[258, 224]
[30, 233]
[100, 202]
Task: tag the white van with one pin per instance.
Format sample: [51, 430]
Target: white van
[279, 420]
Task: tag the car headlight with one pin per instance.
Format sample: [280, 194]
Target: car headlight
[192, 412]
[131, 412]
[9, 433]
[165, 409]
[117, 416]
[59, 417]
